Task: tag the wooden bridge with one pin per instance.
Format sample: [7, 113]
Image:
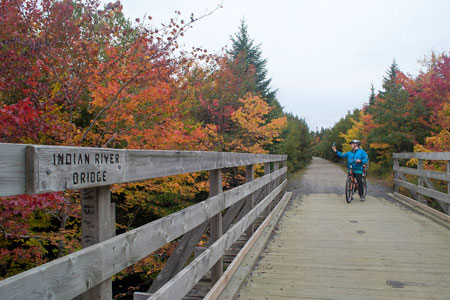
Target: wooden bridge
[319, 247]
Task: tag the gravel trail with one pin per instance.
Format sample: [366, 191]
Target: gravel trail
[323, 177]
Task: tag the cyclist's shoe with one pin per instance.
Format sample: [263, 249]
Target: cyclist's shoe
[362, 199]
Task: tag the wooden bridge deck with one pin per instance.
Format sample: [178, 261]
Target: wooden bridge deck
[325, 248]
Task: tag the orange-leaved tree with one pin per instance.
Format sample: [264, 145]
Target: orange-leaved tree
[253, 132]
[75, 74]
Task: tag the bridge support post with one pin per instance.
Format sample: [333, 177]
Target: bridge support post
[215, 187]
[448, 187]
[276, 167]
[267, 187]
[97, 225]
[420, 182]
[250, 201]
[396, 165]
[273, 185]
[283, 165]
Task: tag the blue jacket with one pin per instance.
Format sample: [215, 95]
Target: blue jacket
[352, 157]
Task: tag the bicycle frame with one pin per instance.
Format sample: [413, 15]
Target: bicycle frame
[351, 185]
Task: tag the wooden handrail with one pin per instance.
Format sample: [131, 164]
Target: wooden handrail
[425, 186]
[444, 176]
[424, 191]
[423, 155]
[38, 169]
[34, 169]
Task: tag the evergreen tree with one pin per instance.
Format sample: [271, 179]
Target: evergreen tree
[397, 117]
[389, 113]
[372, 98]
[247, 57]
[372, 95]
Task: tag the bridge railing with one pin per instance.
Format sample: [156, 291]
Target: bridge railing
[425, 186]
[34, 169]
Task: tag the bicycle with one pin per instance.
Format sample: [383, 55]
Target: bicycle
[351, 185]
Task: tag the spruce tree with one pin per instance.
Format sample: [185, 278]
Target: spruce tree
[397, 116]
[247, 57]
[372, 98]
[372, 95]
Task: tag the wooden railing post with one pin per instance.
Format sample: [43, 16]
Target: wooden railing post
[215, 187]
[396, 165]
[276, 166]
[283, 165]
[420, 182]
[97, 225]
[448, 187]
[250, 201]
[267, 187]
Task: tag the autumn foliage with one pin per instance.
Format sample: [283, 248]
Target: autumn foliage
[77, 74]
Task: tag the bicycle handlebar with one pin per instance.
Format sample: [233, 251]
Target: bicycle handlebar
[354, 160]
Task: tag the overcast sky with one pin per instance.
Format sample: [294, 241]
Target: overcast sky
[323, 54]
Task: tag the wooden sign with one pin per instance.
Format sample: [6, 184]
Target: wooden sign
[65, 168]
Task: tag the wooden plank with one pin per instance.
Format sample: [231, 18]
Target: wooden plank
[179, 257]
[424, 173]
[12, 169]
[178, 286]
[141, 296]
[420, 182]
[250, 201]
[396, 174]
[144, 296]
[448, 186]
[220, 285]
[242, 213]
[403, 177]
[426, 208]
[276, 166]
[97, 225]
[216, 188]
[71, 275]
[240, 210]
[96, 219]
[267, 188]
[259, 195]
[283, 165]
[231, 213]
[61, 168]
[424, 191]
[430, 185]
[423, 155]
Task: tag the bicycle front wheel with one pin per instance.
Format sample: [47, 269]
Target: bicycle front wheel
[349, 189]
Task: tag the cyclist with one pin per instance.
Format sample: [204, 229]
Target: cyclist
[356, 158]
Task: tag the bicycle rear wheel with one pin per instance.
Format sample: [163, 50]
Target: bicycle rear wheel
[364, 182]
[349, 189]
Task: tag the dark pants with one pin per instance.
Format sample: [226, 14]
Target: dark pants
[358, 177]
